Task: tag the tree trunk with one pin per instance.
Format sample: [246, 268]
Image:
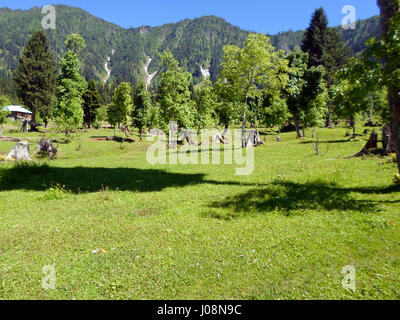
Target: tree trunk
[244, 122]
[387, 141]
[388, 9]
[353, 126]
[313, 133]
[173, 134]
[225, 131]
[24, 127]
[394, 101]
[328, 123]
[297, 125]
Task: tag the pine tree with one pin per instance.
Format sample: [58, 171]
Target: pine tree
[141, 107]
[326, 49]
[314, 40]
[35, 77]
[91, 102]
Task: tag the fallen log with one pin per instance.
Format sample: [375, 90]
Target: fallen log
[10, 139]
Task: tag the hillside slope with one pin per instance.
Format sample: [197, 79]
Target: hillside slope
[196, 43]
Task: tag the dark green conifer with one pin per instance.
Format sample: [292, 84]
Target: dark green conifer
[35, 77]
[91, 102]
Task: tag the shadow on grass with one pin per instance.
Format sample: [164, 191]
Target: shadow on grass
[325, 142]
[284, 196]
[289, 198]
[27, 176]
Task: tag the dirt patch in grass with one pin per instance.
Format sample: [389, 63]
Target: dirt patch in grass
[144, 212]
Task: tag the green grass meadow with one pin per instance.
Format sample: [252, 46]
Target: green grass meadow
[200, 231]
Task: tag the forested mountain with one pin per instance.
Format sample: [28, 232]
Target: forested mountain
[196, 43]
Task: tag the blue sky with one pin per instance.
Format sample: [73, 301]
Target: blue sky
[269, 16]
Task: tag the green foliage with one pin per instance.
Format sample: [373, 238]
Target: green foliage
[274, 112]
[75, 43]
[91, 103]
[359, 88]
[379, 104]
[121, 106]
[154, 116]
[3, 118]
[70, 88]
[101, 114]
[55, 192]
[326, 49]
[205, 105]
[175, 95]
[257, 69]
[35, 76]
[4, 101]
[306, 92]
[386, 49]
[227, 109]
[141, 106]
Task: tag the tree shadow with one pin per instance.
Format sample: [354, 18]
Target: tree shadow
[325, 141]
[27, 176]
[289, 198]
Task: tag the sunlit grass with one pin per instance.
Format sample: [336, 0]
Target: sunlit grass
[200, 232]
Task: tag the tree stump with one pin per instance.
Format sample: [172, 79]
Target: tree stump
[187, 136]
[46, 146]
[20, 152]
[253, 139]
[218, 137]
[371, 145]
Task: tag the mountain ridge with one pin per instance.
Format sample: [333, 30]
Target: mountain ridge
[196, 43]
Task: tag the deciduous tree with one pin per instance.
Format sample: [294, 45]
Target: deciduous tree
[257, 67]
[141, 107]
[70, 88]
[175, 95]
[121, 106]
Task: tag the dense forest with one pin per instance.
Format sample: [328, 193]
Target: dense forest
[197, 42]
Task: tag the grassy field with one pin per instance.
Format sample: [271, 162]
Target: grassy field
[200, 232]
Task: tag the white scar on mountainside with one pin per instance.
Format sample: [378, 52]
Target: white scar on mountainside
[106, 67]
[149, 77]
